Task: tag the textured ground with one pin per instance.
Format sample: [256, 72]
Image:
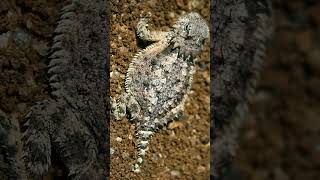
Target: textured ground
[182, 151]
[280, 139]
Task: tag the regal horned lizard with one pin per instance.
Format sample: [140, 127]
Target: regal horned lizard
[160, 76]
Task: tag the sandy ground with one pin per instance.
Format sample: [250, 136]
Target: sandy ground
[182, 150]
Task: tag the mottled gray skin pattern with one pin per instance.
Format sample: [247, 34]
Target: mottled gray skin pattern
[74, 123]
[240, 32]
[160, 76]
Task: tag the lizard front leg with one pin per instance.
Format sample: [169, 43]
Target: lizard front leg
[125, 103]
[145, 34]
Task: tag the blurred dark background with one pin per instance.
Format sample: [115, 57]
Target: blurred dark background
[280, 139]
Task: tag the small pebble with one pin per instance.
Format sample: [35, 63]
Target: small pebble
[175, 125]
[201, 169]
[119, 139]
[112, 151]
[204, 139]
[175, 173]
[125, 155]
[155, 157]
[4, 39]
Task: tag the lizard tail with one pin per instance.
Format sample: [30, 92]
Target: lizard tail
[143, 137]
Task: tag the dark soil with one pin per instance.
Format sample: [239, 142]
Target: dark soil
[26, 29]
[280, 138]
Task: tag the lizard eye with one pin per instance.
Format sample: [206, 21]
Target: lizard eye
[186, 28]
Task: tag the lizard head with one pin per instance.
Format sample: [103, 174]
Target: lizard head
[190, 33]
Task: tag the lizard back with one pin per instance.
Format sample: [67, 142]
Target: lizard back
[162, 81]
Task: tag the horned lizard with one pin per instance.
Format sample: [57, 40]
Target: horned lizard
[159, 77]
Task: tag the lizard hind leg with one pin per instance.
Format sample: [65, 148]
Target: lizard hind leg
[134, 109]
